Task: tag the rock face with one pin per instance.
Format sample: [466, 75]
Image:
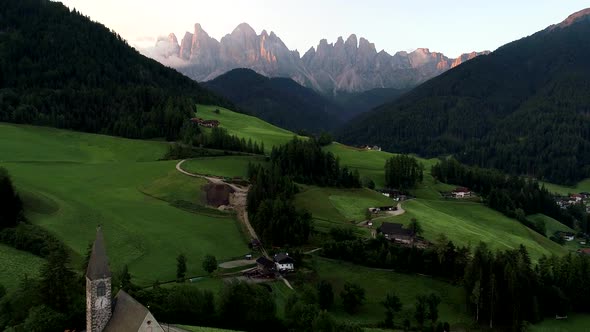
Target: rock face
[353, 65]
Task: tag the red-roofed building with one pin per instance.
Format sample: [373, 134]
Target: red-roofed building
[461, 192]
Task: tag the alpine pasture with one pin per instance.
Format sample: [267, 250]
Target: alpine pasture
[98, 180]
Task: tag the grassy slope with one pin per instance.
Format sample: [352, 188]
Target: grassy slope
[463, 222]
[338, 207]
[246, 126]
[574, 323]
[582, 186]
[222, 166]
[16, 264]
[94, 180]
[377, 283]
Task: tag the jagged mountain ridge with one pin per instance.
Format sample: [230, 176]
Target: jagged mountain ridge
[353, 65]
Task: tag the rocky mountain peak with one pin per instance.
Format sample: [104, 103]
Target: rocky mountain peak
[581, 15]
[351, 41]
[245, 30]
[351, 65]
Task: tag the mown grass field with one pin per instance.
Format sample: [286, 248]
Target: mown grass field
[333, 207]
[369, 163]
[246, 126]
[551, 225]
[230, 166]
[467, 223]
[377, 283]
[16, 264]
[463, 222]
[77, 181]
[574, 323]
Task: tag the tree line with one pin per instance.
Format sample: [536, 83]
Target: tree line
[271, 208]
[59, 69]
[403, 172]
[514, 196]
[218, 138]
[503, 288]
[305, 162]
[15, 231]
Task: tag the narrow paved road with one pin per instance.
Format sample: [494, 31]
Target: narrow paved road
[397, 212]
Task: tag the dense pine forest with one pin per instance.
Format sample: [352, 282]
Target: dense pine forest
[306, 162]
[280, 101]
[59, 69]
[523, 109]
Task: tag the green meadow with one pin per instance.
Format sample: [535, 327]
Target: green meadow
[468, 223]
[377, 283]
[582, 186]
[246, 126]
[74, 182]
[333, 207]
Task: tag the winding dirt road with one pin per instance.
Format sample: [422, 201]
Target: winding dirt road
[238, 201]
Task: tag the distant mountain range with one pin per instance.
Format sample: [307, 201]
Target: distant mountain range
[285, 103]
[353, 65]
[525, 108]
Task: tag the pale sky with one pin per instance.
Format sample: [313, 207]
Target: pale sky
[451, 27]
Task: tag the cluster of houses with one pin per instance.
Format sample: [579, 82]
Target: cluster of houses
[573, 199]
[206, 123]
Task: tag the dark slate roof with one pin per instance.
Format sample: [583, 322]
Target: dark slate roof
[265, 262]
[98, 265]
[128, 314]
[283, 258]
[394, 229]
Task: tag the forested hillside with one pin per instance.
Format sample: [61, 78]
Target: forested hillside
[523, 109]
[58, 68]
[280, 101]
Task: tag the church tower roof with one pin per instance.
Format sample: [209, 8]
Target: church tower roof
[98, 265]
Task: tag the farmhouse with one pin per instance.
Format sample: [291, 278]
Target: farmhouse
[396, 233]
[284, 263]
[206, 123]
[461, 192]
[103, 313]
[568, 236]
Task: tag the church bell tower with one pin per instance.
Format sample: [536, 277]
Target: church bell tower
[98, 287]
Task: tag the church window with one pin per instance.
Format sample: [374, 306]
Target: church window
[101, 289]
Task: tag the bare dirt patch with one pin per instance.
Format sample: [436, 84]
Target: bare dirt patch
[218, 194]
